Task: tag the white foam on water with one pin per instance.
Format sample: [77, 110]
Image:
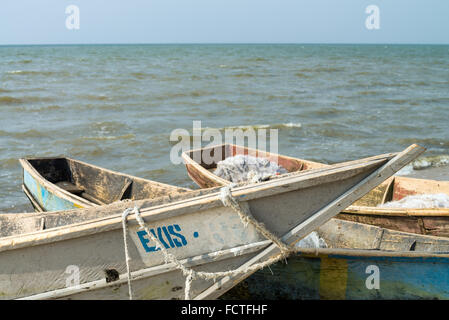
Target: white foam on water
[421, 201]
[14, 71]
[242, 168]
[312, 240]
[407, 170]
[426, 162]
[292, 125]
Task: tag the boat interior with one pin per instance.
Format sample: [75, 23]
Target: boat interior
[397, 187]
[221, 152]
[97, 185]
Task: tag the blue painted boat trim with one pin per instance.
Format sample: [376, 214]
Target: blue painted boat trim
[45, 198]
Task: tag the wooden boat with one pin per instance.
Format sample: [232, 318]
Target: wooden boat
[433, 221]
[79, 254]
[53, 184]
[202, 173]
[362, 262]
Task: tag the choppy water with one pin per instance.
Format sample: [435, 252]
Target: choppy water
[115, 105]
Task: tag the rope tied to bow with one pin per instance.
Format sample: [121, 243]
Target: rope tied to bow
[244, 213]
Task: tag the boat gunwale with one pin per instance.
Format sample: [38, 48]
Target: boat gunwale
[177, 208]
[396, 212]
[371, 252]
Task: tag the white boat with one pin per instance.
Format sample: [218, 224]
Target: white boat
[80, 254]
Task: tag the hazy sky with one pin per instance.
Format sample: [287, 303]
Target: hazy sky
[223, 21]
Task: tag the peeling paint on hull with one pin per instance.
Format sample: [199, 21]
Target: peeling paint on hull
[45, 198]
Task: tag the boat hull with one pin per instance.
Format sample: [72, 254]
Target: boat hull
[68, 256]
[43, 198]
[348, 276]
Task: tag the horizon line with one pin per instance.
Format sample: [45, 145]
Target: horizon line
[221, 43]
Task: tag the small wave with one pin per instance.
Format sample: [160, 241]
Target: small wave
[24, 134]
[302, 75]
[434, 100]
[432, 161]
[322, 70]
[423, 163]
[26, 99]
[107, 127]
[45, 108]
[396, 101]
[368, 93]
[143, 75]
[257, 59]
[243, 127]
[426, 142]
[4, 90]
[103, 138]
[195, 94]
[290, 125]
[386, 84]
[84, 152]
[94, 97]
[243, 75]
[38, 73]
[326, 111]
[10, 100]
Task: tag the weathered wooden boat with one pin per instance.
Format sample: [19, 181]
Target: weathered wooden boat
[80, 254]
[53, 184]
[201, 171]
[361, 262]
[434, 221]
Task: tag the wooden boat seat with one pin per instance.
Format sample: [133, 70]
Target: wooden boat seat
[70, 187]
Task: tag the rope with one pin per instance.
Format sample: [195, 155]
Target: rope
[190, 274]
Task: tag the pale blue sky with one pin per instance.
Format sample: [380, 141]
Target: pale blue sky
[224, 21]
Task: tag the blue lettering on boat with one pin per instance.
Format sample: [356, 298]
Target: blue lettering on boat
[169, 236]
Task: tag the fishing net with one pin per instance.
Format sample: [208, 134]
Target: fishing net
[243, 168]
[421, 201]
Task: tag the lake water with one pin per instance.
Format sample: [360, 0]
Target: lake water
[116, 105]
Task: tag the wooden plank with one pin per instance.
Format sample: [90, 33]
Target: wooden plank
[125, 189]
[69, 187]
[91, 198]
